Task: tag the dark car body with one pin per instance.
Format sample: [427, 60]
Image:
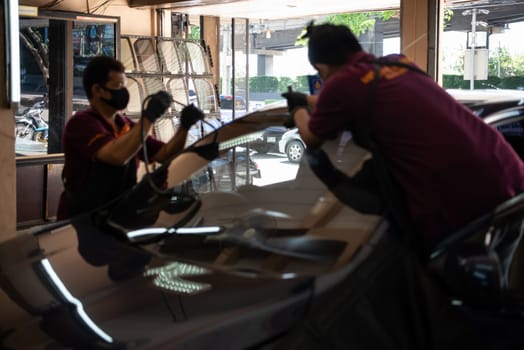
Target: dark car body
[219, 171]
[214, 267]
[226, 102]
[269, 139]
[131, 275]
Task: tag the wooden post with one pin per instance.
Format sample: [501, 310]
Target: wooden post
[420, 27]
[210, 29]
[7, 149]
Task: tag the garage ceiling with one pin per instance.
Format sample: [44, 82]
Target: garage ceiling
[268, 9]
[287, 9]
[500, 13]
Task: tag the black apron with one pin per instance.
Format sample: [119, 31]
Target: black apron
[104, 183]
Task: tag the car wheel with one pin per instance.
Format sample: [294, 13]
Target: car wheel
[294, 151]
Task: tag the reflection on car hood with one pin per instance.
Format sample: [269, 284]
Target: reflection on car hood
[132, 274]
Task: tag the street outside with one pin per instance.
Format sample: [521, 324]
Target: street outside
[274, 168]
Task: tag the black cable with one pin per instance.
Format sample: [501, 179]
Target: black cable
[155, 188]
[182, 307]
[169, 308]
[50, 4]
[98, 7]
[212, 127]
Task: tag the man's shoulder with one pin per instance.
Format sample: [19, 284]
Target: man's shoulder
[122, 118]
[84, 121]
[85, 116]
[85, 113]
[393, 56]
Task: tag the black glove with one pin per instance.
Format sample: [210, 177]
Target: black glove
[209, 151]
[295, 100]
[157, 105]
[190, 115]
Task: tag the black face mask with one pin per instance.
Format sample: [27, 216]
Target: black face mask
[119, 98]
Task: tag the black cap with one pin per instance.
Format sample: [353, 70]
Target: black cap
[331, 44]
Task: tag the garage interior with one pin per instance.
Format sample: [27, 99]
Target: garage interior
[31, 184]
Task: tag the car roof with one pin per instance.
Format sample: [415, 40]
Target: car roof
[476, 96]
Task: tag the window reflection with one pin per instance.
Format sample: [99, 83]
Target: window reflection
[493, 34]
[240, 165]
[89, 40]
[32, 115]
[33, 122]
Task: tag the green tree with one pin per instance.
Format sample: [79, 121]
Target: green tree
[498, 62]
[284, 82]
[358, 22]
[448, 14]
[518, 68]
[454, 64]
[194, 32]
[302, 83]
[502, 64]
[263, 84]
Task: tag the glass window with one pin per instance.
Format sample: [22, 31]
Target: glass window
[33, 122]
[236, 183]
[32, 116]
[179, 66]
[271, 57]
[256, 68]
[239, 165]
[240, 51]
[493, 33]
[89, 40]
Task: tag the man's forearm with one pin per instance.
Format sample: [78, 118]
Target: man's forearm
[176, 144]
[312, 100]
[122, 149]
[302, 122]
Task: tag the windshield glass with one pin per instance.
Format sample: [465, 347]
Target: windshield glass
[243, 196]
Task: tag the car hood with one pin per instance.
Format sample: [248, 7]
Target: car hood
[174, 266]
[468, 97]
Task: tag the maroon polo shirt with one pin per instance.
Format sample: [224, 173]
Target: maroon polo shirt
[89, 182]
[451, 165]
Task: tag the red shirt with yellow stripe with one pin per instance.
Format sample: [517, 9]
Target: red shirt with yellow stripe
[89, 182]
[450, 164]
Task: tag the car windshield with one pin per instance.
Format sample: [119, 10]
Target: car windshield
[240, 189]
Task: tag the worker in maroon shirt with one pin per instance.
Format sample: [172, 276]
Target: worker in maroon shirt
[102, 147]
[450, 165]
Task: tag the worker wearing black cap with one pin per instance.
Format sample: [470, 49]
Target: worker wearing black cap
[448, 168]
[103, 147]
[451, 166]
